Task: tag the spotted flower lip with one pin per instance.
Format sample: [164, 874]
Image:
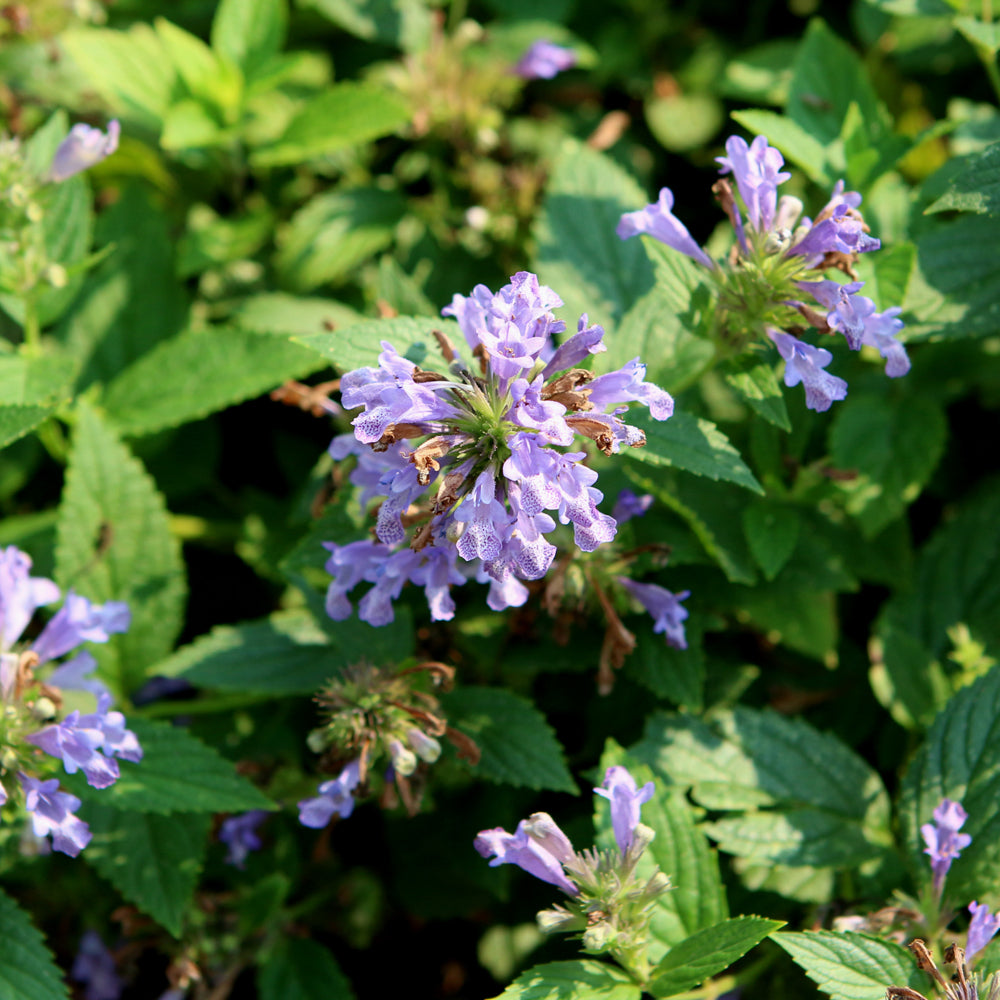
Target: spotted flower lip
[483, 459]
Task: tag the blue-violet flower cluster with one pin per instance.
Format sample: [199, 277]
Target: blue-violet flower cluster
[495, 439]
[29, 728]
[776, 276]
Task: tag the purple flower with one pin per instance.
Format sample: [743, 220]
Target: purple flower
[492, 462]
[620, 790]
[94, 966]
[52, 812]
[982, 928]
[118, 741]
[538, 846]
[880, 332]
[20, 594]
[757, 170]
[239, 833]
[74, 675]
[658, 220]
[630, 504]
[334, 797]
[544, 60]
[80, 621]
[664, 606]
[78, 745]
[82, 148]
[805, 363]
[944, 842]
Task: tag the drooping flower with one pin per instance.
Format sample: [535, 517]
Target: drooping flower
[80, 621]
[665, 608]
[492, 458]
[239, 834]
[944, 842]
[778, 258]
[619, 788]
[334, 797]
[537, 846]
[982, 928]
[94, 966]
[544, 60]
[82, 148]
[629, 505]
[53, 813]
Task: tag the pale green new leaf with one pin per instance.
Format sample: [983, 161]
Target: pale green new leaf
[579, 254]
[201, 371]
[154, 861]
[707, 953]
[518, 746]
[299, 969]
[852, 966]
[581, 980]
[250, 31]
[27, 971]
[692, 444]
[114, 543]
[806, 151]
[17, 420]
[177, 773]
[346, 114]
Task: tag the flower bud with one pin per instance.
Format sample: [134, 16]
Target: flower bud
[316, 740]
[404, 761]
[426, 747]
[642, 837]
[599, 938]
[552, 921]
[43, 709]
[56, 276]
[8, 758]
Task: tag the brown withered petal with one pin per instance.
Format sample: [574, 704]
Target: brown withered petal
[447, 348]
[468, 749]
[420, 375]
[723, 192]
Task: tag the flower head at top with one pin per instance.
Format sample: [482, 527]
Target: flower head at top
[777, 275]
[544, 60]
[482, 461]
[82, 148]
[944, 842]
[619, 788]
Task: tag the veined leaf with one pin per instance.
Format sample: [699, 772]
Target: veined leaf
[584, 980]
[301, 970]
[27, 971]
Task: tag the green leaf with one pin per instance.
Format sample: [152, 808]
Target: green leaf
[129, 69]
[132, 301]
[677, 674]
[852, 966]
[114, 543]
[806, 151]
[27, 971]
[693, 444]
[578, 253]
[583, 980]
[956, 580]
[518, 746]
[697, 898]
[335, 232]
[894, 445]
[199, 372]
[976, 188]
[960, 760]
[757, 384]
[346, 114]
[16, 421]
[684, 121]
[177, 773]
[154, 861]
[249, 32]
[357, 346]
[772, 532]
[301, 970]
[983, 35]
[287, 653]
[294, 314]
[707, 953]
[802, 797]
[403, 23]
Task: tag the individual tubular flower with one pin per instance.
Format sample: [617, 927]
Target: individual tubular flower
[664, 606]
[334, 797]
[619, 788]
[776, 260]
[544, 60]
[944, 842]
[629, 505]
[83, 148]
[476, 461]
[982, 928]
[538, 846]
[239, 834]
[94, 966]
[31, 705]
